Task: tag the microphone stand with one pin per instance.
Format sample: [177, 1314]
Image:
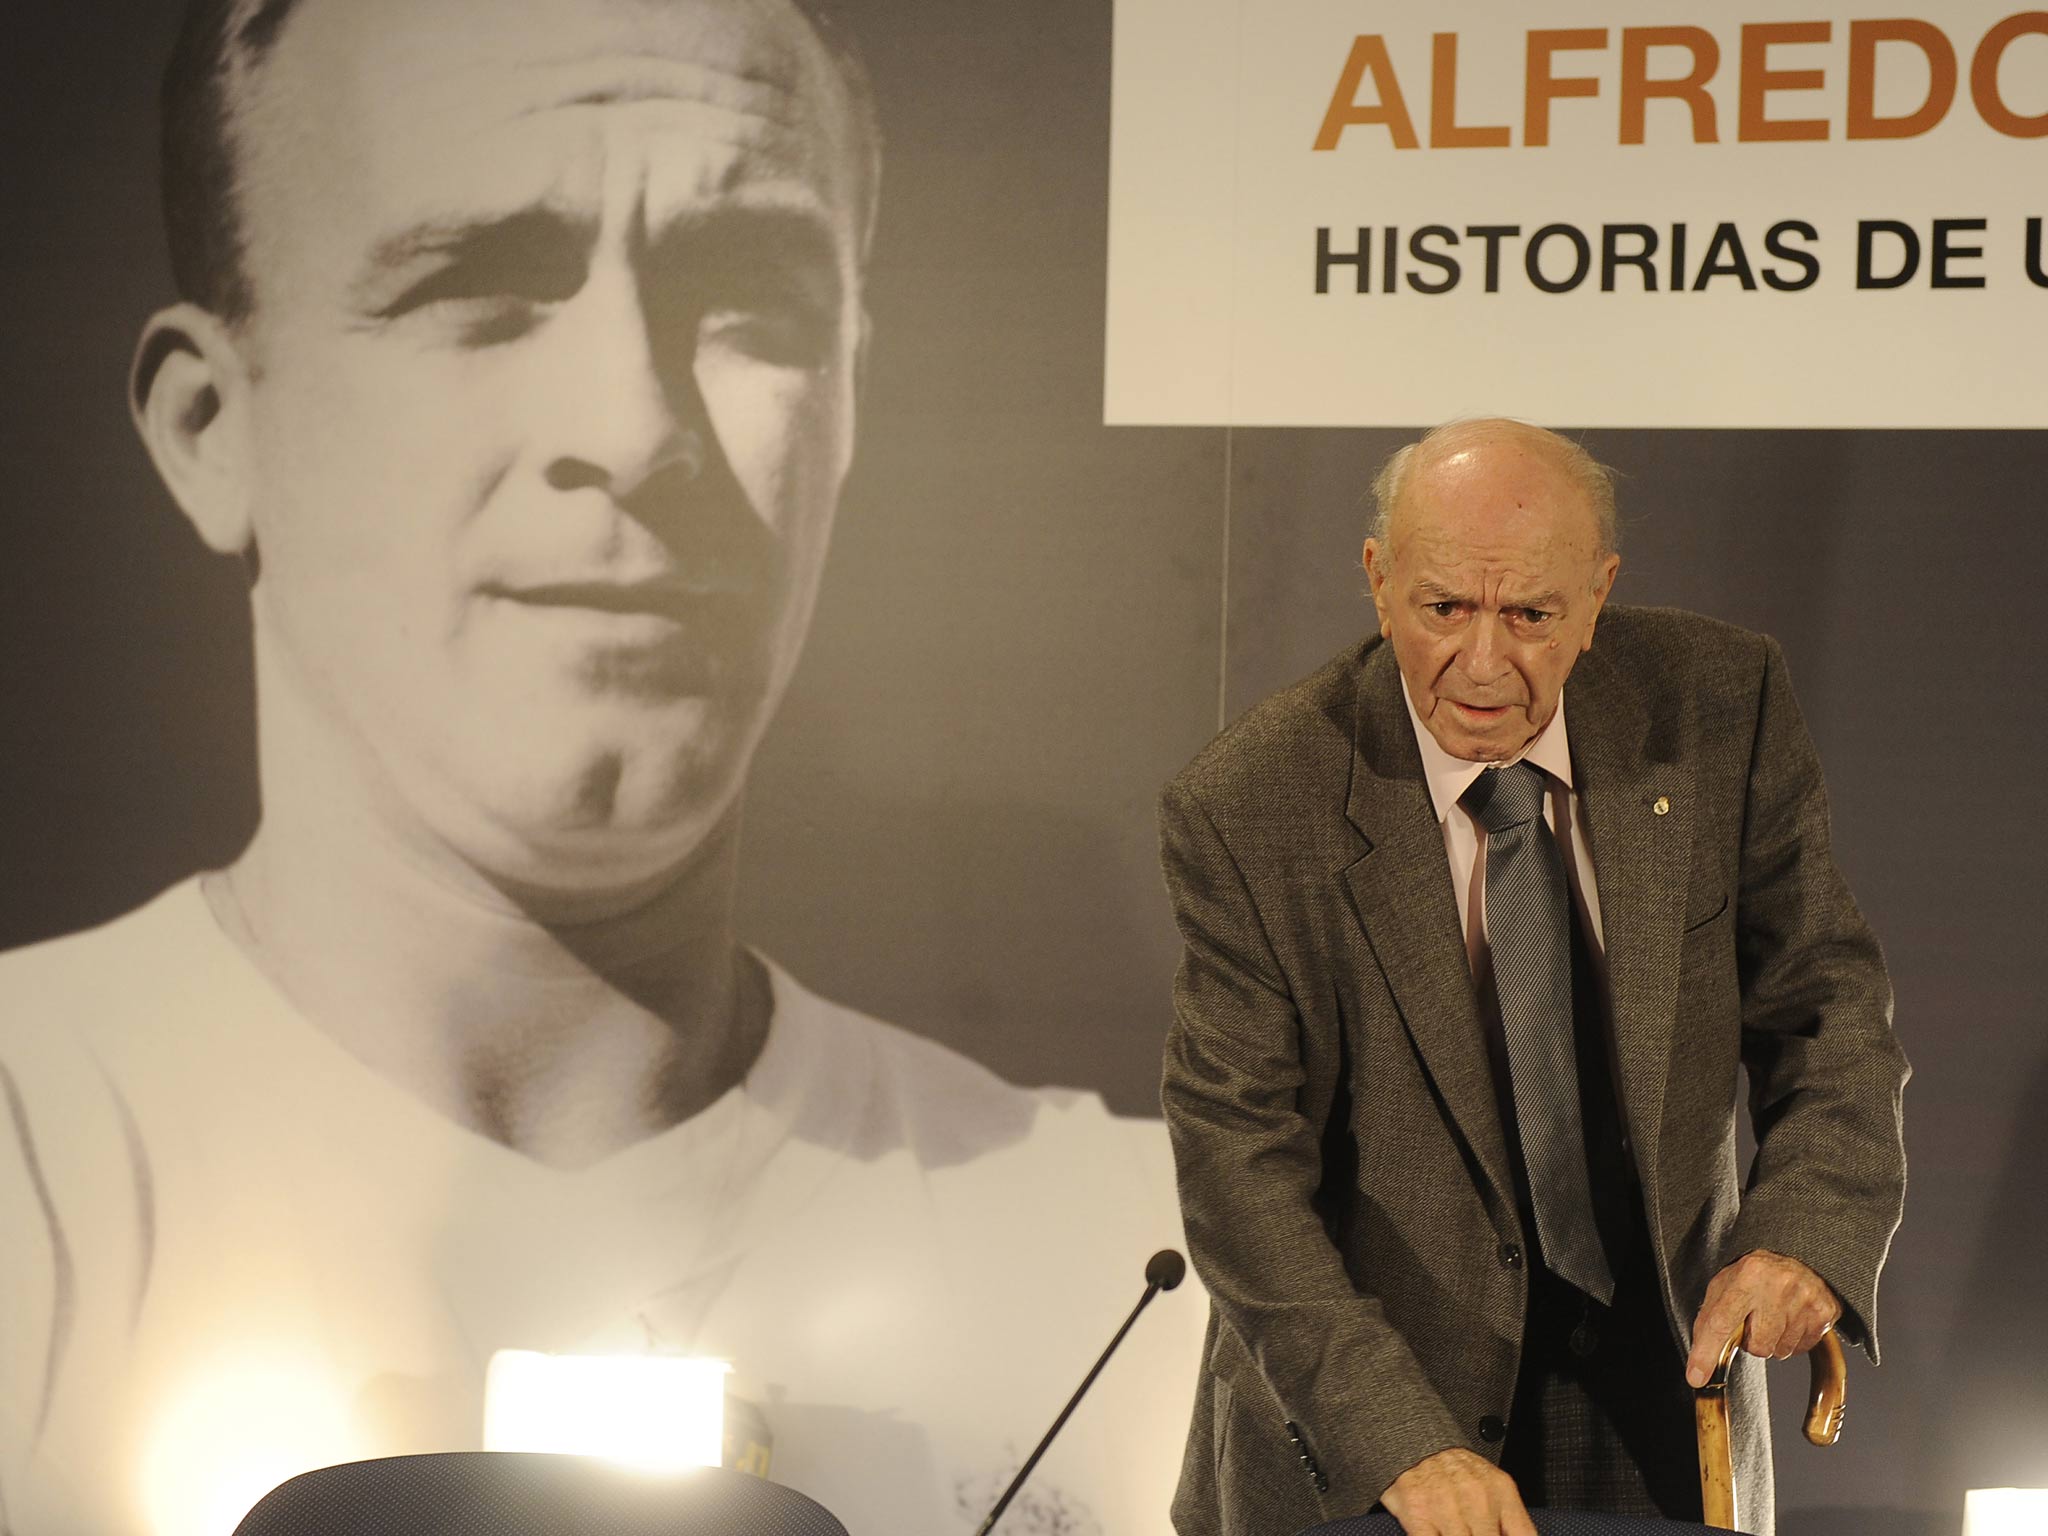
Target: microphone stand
[1153, 1287]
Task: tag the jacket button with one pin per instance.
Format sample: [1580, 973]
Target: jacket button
[1510, 1256]
[1491, 1429]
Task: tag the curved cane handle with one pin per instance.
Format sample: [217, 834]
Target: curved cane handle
[1824, 1413]
[1826, 1403]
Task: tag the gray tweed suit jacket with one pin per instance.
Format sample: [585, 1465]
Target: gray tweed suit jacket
[1344, 1177]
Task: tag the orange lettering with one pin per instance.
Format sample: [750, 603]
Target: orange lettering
[1637, 87]
[1368, 57]
[1759, 80]
[1444, 131]
[1540, 87]
[1984, 77]
[1864, 37]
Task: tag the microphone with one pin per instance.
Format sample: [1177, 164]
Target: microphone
[1163, 1271]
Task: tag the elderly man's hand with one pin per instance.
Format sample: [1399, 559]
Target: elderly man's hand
[1787, 1306]
[1457, 1493]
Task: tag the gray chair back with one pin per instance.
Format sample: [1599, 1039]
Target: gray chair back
[518, 1493]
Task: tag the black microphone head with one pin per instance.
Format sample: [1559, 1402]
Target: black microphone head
[1165, 1269]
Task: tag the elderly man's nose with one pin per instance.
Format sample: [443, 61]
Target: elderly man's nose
[1480, 650]
[622, 409]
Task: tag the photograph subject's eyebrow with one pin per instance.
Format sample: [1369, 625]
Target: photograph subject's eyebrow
[789, 237]
[526, 233]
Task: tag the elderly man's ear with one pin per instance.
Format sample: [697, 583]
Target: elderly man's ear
[188, 392]
[1376, 570]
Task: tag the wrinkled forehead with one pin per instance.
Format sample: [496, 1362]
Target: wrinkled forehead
[385, 100]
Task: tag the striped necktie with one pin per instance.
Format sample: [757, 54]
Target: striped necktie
[1529, 932]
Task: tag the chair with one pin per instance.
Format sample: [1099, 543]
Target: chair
[1548, 1522]
[521, 1493]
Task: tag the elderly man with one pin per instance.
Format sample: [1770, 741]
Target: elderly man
[517, 356]
[1469, 979]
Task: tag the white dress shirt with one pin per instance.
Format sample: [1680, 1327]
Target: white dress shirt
[1465, 839]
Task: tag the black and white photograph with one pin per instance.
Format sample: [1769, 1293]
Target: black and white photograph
[522, 418]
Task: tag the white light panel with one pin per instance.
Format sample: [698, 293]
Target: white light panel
[2005, 1512]
[661, 1413]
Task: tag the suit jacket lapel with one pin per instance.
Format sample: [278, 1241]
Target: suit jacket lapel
[1401, 893]
[1640, 861]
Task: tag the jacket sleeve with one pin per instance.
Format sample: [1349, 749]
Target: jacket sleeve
[1825, 1073]
[1248, 1162]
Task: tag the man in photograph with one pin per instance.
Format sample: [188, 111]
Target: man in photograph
[517, 355]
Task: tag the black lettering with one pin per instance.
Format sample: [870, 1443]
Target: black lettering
[1806, 261]
[1493, 234]
[1447, 264]
[1612, 257]
[1678, 258]
[1360, 258]
[1532, 259]
[2034, 271]
[1940, 253]
[1725, 258]
[1390, 247]
[1866, 250]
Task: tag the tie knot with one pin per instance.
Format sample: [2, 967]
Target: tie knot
[1505, 797]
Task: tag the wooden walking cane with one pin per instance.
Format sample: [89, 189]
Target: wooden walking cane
[1710, 1416]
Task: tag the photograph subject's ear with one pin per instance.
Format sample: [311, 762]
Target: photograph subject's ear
[862, 345]
[188, 393]
[863, 350]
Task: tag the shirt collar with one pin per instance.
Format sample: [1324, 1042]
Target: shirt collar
[1449, 777]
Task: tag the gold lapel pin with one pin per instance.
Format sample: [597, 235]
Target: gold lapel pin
[1661, 806]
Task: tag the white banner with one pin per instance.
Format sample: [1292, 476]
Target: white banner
[1624, 213]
